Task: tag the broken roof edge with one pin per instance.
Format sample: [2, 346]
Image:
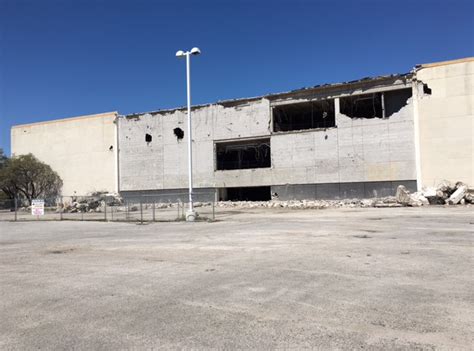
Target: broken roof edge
[67, 119]
[239, 101]
[444, 63]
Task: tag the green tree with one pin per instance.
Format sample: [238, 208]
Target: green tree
[3, 158]
[28, 178]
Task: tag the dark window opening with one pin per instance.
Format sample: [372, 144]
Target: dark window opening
[426, 89]
[257, 193]
[362, 106]
[394, 100]
[148, 138]
[243, 154]
[376, 105]
[306, 115]
[178, 132]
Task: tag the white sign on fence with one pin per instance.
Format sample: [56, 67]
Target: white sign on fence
[37, 207]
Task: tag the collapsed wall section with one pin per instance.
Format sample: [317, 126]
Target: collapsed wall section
[371, 140]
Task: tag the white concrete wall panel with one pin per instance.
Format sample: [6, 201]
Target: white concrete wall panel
[446, 119]
[77, 148]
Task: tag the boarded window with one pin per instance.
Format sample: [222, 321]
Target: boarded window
[243, 154]
[305, 115]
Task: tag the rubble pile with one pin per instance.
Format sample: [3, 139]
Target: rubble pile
[84, 205]
[389, 201]
[93, 203]
[444, 194]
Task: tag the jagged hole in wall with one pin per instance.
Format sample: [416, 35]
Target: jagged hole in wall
[362, 106]
[426, 89]
[256, 193]
[243, 154]
[178, 132]
[375, 105]
[148, 138]
[304, 115]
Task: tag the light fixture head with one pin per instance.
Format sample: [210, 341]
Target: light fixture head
[180, 53]
[195, 51]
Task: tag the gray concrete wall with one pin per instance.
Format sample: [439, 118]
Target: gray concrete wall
[162, 164]
[331, 191]
[355, 151]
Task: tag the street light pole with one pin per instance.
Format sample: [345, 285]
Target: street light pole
[190, 214]
[190, 139]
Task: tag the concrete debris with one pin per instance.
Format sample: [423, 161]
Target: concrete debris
[389, 201]
[429, 192]
[458, 195]
[94, 203]
[88, 205]
[404, 197]
[444, 193]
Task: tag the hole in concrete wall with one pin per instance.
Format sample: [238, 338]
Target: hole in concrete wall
[394, 100]
[178, 132]
[362, 106]
[243, 154]
[306, 115]
[111, 147]
[257, 193]
[426, 89]
[376, 105]
[148, 138]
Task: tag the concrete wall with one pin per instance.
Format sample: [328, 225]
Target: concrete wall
[162, 163]
[76, 148]
[357, 150]
[446, 122]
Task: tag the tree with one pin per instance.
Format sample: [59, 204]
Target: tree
[3, 158]
[28, 178]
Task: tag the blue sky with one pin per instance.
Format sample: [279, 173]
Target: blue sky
[61, 58]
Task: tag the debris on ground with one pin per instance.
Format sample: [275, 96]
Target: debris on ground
[388, 201]
[93, 203]
[444, 194]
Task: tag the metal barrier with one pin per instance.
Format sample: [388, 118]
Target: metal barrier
[140, 208]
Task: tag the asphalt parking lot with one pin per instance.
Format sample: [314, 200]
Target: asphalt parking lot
[399, 278]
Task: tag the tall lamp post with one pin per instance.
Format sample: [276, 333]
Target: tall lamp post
[190, 214]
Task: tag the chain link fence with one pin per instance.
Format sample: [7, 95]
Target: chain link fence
[142, 208]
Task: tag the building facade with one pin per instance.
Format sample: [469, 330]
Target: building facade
[357, 139]
[344, 140]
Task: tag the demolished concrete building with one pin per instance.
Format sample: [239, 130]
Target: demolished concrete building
[357, 139]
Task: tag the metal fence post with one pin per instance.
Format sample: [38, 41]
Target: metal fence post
[154, 219]
[213, 210]
[105, 210]
[16, 208]
[141, 210]
[61, 208]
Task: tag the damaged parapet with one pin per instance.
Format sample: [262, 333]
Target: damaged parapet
[444, 194]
